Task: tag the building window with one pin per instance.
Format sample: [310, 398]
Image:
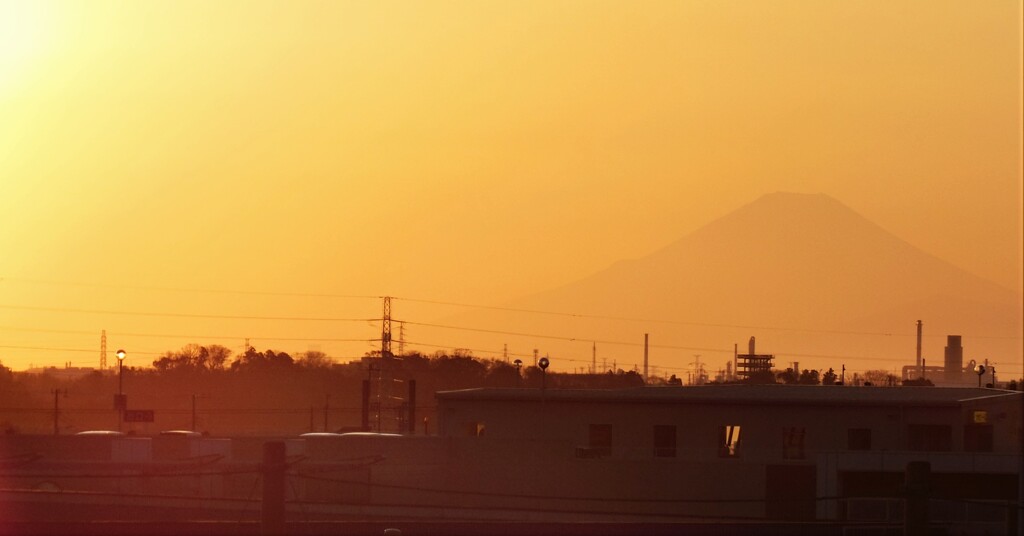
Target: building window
[930, 437]
[664, 441]
[858, 439]
[978, 438]
[729, 441]
[600, 439]
[793, 443]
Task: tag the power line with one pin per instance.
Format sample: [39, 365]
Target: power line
[182, 315]
[197, 290]
[682, 322]
[476, 306]
[52, 349]
[564, 338]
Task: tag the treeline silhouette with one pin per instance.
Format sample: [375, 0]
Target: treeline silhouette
[266, 392]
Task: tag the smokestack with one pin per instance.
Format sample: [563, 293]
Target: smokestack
[645, 357]
[751, 352]
[954, 358]
[919, 365]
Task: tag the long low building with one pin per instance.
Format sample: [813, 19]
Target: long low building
[746, 451]
[708, 454]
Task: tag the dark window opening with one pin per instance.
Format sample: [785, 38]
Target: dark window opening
[930, 437]
[978, 438]
[858, 439]
[793, 443]
[601, 439]
[664, 441]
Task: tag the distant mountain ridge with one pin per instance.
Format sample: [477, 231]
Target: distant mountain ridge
[794, 262]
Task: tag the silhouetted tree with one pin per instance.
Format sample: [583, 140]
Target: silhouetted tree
[193, 357]
[760, 377]
[829, 378]
[788, 376]
[879, 377]
[459, 371]
[253, 360]
[314, 359]
[501, 374]
[809, 377]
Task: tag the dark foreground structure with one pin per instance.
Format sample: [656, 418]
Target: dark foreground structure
[721, 459]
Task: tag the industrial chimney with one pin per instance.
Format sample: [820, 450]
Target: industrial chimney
[954, 364]
[751, 352]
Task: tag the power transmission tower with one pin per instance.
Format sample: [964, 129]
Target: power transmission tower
[385, 336]
[103, 350]
[384, 374]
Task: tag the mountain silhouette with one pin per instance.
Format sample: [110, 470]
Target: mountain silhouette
[808, 276]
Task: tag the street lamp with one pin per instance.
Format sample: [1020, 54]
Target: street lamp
[120, 403]
[120, 371]
[543, 364]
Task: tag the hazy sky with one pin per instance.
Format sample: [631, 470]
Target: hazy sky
[463, 151]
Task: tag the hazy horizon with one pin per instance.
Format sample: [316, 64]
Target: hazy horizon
[182, 173]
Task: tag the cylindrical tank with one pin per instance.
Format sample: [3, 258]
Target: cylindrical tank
[954, 364]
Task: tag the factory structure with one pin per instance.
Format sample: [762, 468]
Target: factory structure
[953, 371]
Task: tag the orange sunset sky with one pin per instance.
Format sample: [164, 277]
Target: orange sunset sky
[283, 164]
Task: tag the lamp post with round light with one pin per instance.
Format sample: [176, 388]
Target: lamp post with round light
[120, 403]
[120, 371]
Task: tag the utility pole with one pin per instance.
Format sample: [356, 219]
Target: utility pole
[194, 429]
[645, 358]
[327, 405]
[56, 409]
[272, 509]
